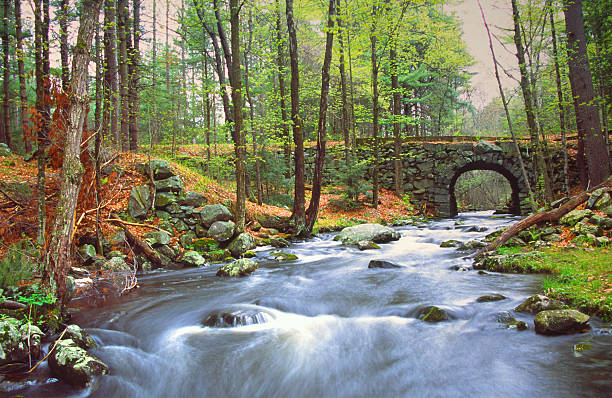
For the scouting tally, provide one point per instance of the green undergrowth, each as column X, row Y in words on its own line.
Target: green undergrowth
column 580, row 277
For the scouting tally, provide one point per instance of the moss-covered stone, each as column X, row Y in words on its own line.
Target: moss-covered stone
column 490, row 297
column 164, row 199
column 450, row 243
column 192, row 258
column 241, row 244
column 374, row 232
column 221, row 231
column 283, row 256
column 554, row 322
column 170, row 184
column 574, row 216
column 139, row 202
column 538, row 303
column 212, row 213
column 433, row 314
column 240, row 267
column 157, row 238
column 18, row 341
column 74, row 365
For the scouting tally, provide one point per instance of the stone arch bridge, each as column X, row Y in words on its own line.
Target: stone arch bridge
column 431, row 169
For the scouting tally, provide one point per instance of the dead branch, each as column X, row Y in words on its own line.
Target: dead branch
column 143, row 246
column 120, row 221
column 11, row 305
column 11, row 199
column 546, row 216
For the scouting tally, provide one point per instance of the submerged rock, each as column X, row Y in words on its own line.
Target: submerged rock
column 554, row 322
column 491, row 297
column 367, row 245
column 433, row 314
column 375, row 232
column 240, row 267
column 382, row 264
column 236, row 318
column 537, row 303
column 74, row 365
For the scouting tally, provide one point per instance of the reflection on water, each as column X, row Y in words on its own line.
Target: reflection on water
column 327, row 326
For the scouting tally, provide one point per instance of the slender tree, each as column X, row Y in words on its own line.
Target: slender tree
column 57, row 257
column 134, row 78
column 123, row 32
column 23, row 96
column 111, row 85
column 298, row 214
column 313, row 208
column 6, row 97
column 62, row 16
column 375, row 107
column 280, row 61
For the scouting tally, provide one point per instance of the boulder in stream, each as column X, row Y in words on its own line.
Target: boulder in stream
column 240, row 267
column 433, row 314
column 74, row 365
column 537, row 303
column 367, row 245
column 491, row 297
column 450, row 243
column 244, row 317
column 555, row 322
column 375, row 232
column 382, row 264
column 18, row 341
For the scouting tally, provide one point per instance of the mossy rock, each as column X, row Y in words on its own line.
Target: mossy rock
column 205, row 244
column 240, row 267
column 450, row 243
column 491, row 297
column 74, row 365
column 575, row 216
column 555, row 322
column 282, row 256
column 217, row 255
column 538, row 303
column 433, row 314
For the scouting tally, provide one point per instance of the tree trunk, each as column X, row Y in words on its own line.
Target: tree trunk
column 345, row 111
column 298, row 215
column 397, row 112
column 23, row 96
column 313, row 208
column 62, row 16
column 587, row 117
column 6, row 125
column 237, row 132
column 539, row 166
column 280, row 60
column 154, row 75
column 373, row 41
column 98, row 81
column 111, row 85
column 122, row 37
column 134, row 83
column 57, row 258
column 566, row 186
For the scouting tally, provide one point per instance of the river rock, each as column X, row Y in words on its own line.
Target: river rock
column 18, row 342
column 139, row 202
column 192, row 258
column 283, row 256
column 375, row 232
column 491, row 297
column 160, row 168
column 170, row 184
column 367, row 245
column 538, row 303
column 221, row 231
column 212, row 213
column 115, row 264
column 382, row 264
column 79, row 337
column 279, row 243
column 244, row 317
column 241, row 244
column 554, row 322
column 74, row 365
column 192, row 199
column 240, row 267
column 508, row 321
column 450, row 243
column 157, row 238
column 472, row 245
column 574, row 216
column 433, row 314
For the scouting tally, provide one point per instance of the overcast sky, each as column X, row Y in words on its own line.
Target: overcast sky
column 499, row 15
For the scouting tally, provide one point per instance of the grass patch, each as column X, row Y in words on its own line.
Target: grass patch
column 582, row 279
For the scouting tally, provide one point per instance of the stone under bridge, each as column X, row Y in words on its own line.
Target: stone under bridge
column 431, row 169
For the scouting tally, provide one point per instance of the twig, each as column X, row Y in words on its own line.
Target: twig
column 118, row 220
column 50, row 351
column 111, row 160
column 11, row 199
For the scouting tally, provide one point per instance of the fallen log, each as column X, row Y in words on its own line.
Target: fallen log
column 11, row 305
column 141, row 245
column 546, row 216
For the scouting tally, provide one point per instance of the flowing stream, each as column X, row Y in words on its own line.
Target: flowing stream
column 334, row 328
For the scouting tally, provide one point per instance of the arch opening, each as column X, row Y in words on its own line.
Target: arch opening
column 480, row 186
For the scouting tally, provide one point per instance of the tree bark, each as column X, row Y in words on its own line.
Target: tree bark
column 280, row 61
column 313, row 208
column 566, row 186
column 134, row 83
column 57, row 258
column 587, row 117
column 298, row 215
column 23, row 97
column 373, row 59
column 237, row 132
column 397, row 111
column 111, row 86
column 122, row 36
column 6, row 97
column 63, row 35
